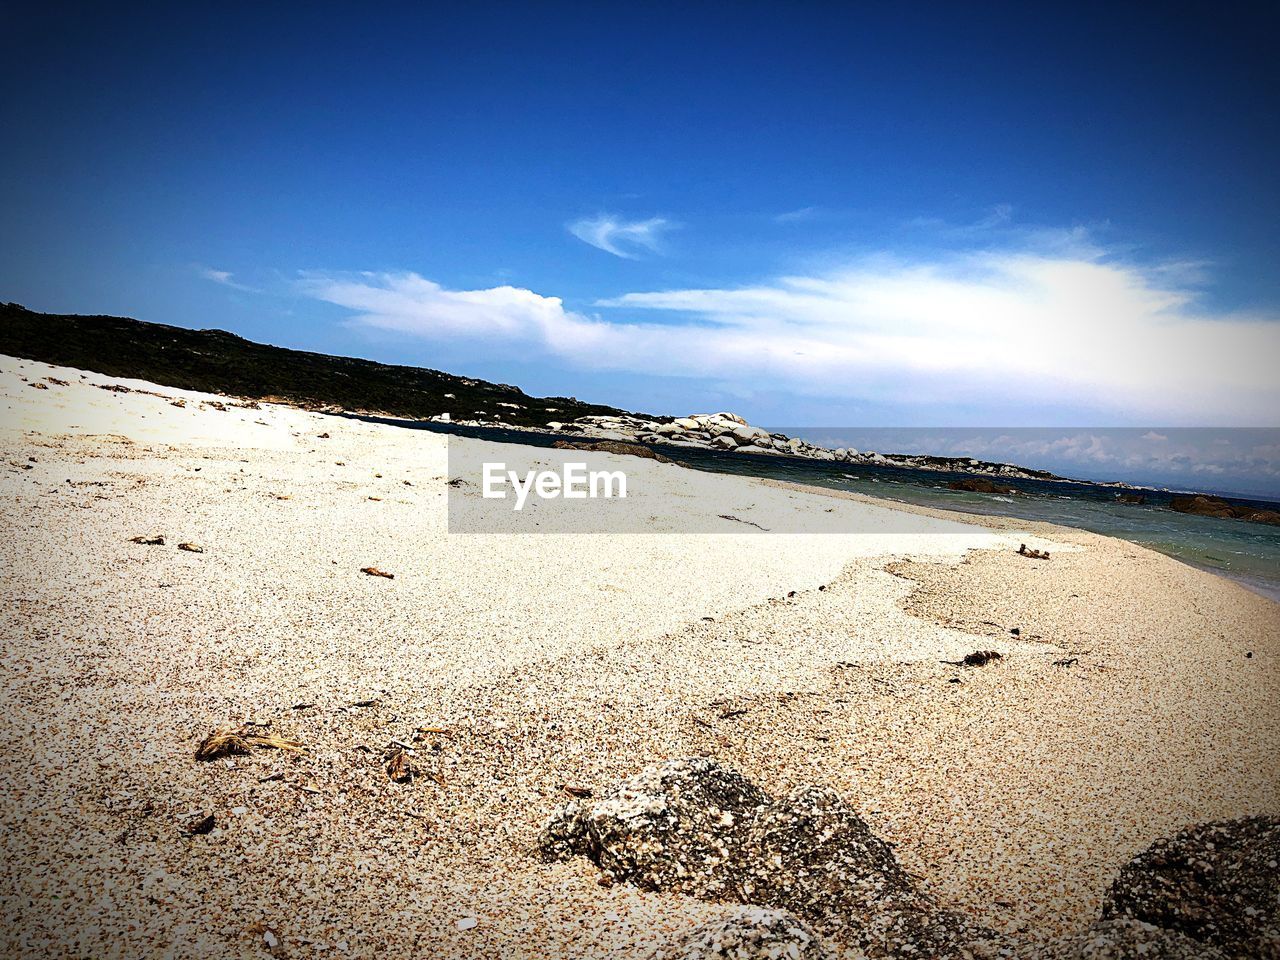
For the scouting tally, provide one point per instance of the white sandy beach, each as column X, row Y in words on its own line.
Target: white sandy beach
column 539, row 661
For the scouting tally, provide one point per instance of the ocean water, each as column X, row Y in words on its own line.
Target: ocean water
column 1237, row 461
column 1247, row 552
column 1244, row 551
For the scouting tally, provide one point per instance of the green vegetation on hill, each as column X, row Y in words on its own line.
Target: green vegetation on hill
column 214, row 361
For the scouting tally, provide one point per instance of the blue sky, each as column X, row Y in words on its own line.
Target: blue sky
column 811, row 214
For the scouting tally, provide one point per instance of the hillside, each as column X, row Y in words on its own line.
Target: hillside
column 215, row 361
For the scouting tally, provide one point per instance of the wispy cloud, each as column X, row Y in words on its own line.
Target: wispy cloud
column 1000, row 214
column 796, row 216
column 993, row 332
column 622, row 238
column 224, row 277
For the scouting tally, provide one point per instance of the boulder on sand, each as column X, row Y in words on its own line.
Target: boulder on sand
column 694, row 827
column 1215, row 883
column 749, row 933
column 812, row 854
column 1124, row 939
column 678, row 826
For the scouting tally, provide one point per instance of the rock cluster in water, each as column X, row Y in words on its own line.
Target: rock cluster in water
column 729, row 432
column 818, row 877
column 1217, row 507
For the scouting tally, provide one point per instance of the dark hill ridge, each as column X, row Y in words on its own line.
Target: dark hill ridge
column 214, row 361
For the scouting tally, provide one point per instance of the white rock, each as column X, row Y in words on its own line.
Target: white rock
column 685, row 441
column 688, row 423
column 749, row 434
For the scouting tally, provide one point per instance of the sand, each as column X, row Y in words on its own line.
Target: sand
column 517, row 665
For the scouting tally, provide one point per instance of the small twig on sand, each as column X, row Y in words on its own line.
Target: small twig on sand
column 749, row 523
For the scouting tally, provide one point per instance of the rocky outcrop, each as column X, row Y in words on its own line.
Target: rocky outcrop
column 750, row 933
column 812, row 854
column 729, row 432
column 978, row 485
column 1217, row 884
column 1125, row 939
column 1216, row 507
column 679, row 827
column 813, row 869
column 694, row 827
column 615, row 446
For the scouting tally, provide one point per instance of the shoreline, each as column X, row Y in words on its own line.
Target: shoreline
column 536, row 663
column 1264, row 589
column 1269, row 589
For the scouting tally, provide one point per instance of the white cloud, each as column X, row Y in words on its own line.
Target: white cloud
column 224, row 277
column 408, row 303
column 993, row 332
column 619, row 237
column 796, row 216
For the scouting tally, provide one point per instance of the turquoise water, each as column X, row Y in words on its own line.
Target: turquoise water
column 1247, row 552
